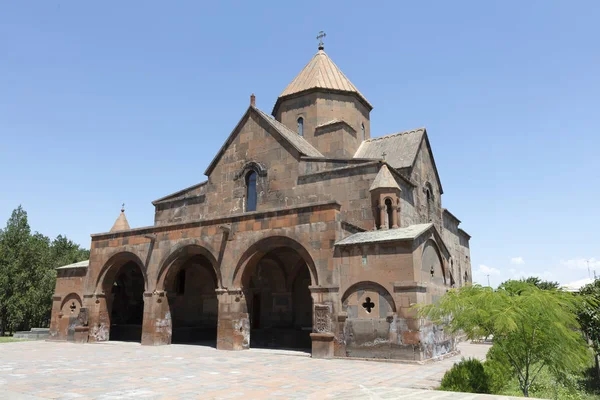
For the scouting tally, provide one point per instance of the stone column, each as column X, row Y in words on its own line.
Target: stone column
column 325, row 300
column 395, row 217
column 55, row 319
column 382, row 216
column 156, row 326
column 233, row 327
column 99, row 317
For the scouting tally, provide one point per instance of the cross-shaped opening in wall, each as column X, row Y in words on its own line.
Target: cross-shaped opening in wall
column 72, row 306
column 368, row 305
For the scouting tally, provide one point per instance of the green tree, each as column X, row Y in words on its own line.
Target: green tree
column 589, row 317
column 13, row 241
column 27, row 272
column 534, row 328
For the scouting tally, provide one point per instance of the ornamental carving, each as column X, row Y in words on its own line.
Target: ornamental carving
column 322, row 318
column 260, row 169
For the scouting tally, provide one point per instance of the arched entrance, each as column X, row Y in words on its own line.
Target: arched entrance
column 190, row 284
column 275, row 284
column 123, row 287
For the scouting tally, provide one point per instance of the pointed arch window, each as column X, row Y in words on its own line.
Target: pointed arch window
column 300, row 126
column 251, row 191
column 362, row 131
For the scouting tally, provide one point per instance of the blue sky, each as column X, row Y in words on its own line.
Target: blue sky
column 110, row 102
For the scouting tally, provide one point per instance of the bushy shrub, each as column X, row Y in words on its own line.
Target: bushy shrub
column 466, row 376
column 498, row 370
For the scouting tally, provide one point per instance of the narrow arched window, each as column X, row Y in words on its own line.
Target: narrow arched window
column 362, row 130
column 251, row 191
column 300, row 126
column 389, row 211
column 429, row 195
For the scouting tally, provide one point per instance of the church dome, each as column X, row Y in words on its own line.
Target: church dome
column 321, row 73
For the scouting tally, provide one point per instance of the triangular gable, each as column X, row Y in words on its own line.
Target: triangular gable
column 437, row 175
column 178, row 194
column 292, row 138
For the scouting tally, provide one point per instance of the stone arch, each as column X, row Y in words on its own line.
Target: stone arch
column 385, row 300
column 279, row 314
column 71, row 297
column 186, row 251
column 255, row 252
column 431, row 253
column 110, row 269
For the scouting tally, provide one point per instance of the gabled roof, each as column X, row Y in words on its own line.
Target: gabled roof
column 384, row 179
column 80, row 264
column 321, row 73
column 386, row 235
column 296, row 141
column 400, row 149
column 178, row 194
column 410, row 232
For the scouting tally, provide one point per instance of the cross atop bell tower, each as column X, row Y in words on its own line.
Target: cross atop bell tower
column 320, row 37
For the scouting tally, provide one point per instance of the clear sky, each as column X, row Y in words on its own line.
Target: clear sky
column 104, row 102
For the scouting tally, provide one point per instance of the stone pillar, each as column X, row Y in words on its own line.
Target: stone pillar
column 156, row 326
column 55, row 318
column 382, row 216
column 233, row 327
column 99, row 317
column 325, row 299
column 395, row 223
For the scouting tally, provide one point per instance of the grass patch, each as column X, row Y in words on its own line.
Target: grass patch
column 8, row 339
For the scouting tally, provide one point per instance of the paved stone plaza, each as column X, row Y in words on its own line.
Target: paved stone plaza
column 120, row 370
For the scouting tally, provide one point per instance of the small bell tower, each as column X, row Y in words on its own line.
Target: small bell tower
column 385, row 199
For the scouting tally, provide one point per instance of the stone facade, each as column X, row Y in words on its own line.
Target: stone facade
column 315, row 241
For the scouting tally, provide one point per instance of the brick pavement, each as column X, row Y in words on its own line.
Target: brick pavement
column 117, row 370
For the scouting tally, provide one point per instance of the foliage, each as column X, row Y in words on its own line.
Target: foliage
column 466, row 376
column 537, row 282
column 27, row 275
column 498, row 370
column 589, row 315
column 536, row 329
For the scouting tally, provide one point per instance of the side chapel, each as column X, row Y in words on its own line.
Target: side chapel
column 308, row 233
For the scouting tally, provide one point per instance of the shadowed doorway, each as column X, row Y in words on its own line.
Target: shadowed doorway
column 127, row 304
column 279, row 301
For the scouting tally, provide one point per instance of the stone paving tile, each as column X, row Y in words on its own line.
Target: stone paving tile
column 117, row 370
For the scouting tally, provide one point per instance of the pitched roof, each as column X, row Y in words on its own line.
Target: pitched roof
column 386, row 235
column 296, row 141
column 321, row 72
column 80, row 264
column 401, row 148
column 121, row 223
column 384, row 179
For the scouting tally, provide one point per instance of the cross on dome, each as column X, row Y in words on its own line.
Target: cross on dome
column 320, row 37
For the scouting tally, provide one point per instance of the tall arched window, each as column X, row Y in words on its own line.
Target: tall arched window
column 429, row 195
column 390, row 213
column 251, row 191
column 362, row 130
column 300, row 126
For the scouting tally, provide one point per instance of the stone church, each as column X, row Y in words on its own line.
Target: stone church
column 308, row 233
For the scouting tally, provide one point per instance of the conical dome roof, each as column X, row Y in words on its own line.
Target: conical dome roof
column 384, row 179
column 321, row 72
column 121, row 223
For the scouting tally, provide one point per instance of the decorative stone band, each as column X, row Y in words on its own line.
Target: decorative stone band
column 324, row 289
column 410, row 286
